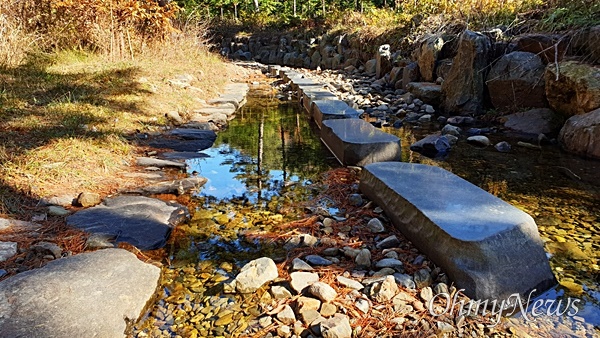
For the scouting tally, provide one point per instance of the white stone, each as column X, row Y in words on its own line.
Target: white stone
column 256, row 273
column 323, row 291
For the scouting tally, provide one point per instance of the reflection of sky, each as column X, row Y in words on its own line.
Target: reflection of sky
column 227, row 180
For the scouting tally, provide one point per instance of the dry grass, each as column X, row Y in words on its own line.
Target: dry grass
column 15, row 43
column 67, row 119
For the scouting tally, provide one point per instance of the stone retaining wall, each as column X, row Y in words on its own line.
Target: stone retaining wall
column 459, row 74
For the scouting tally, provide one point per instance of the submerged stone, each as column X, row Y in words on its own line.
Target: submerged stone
column 356, row 142
column 486, row 246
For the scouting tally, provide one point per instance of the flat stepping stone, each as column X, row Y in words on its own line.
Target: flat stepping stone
column 141, row 221
column 332, row 109
column 155, row 162
column 176, row 187
column 182, row 145
column 488, row 247
column 225, row 109
column 316, row 94
column 193, row 134
column 95, row 294
column 182, row 155
column 304, row 84
column 356, row 142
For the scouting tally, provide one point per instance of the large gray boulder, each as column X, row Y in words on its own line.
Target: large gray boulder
column 96, row 294
column 573, row 88
column 464, row 87
column 516, row 81
column 141, row 221
column 581, row 134
column 486, row 246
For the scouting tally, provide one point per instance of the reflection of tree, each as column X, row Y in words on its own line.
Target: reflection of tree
column 273, row 139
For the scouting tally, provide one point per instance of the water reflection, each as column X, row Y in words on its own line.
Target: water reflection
column 261, row 152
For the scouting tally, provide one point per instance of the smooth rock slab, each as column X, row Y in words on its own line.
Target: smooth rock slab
column 356, row 142
column 188, row 140
column 176, row 187
column 316, row 94
column 485, row 245
column 89, row 295
column 332, row 109
column 141, row 221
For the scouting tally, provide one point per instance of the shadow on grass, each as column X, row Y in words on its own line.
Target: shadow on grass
column 39, row 106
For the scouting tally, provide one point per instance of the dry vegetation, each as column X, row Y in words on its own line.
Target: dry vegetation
column 76, row 87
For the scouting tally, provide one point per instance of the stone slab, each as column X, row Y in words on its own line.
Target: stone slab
column 305, row 83
column 175, row 187
column 331, row 110
column 141, row 221
column 184, row 145
column 155, row 162
column 356, row 142
column 485, row 245
column 309, row 96
column 193, row 134
column 95, row 294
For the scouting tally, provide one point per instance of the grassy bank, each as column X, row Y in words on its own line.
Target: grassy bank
column 68, row 118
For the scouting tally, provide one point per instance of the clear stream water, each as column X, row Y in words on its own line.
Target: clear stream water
column 266, row 160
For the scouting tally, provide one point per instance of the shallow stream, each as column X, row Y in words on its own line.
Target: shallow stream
column 265, row 164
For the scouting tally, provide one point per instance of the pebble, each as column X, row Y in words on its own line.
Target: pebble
column 280, row 292
column 349, row 283
column 308, row 303
column 426, row 294
column 318, row 260
column 405, row 280
column 363, row 259
column 323, row 291
column 301, row 279
column 362, row 304
column 389, row 263
column 375, row 225
column 300, row 265
column 503, row 147
column 88, row 199
column 355, row 200
column 385, row 290
column 328, row 309
column 287, row 315
column 331, row 252
column 388, row 242
column 57, row 211
column 479, row 140
column 422, row 278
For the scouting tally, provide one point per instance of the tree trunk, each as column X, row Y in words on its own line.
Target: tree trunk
column 256, row 7
column 235, row 14
column 323, row 2
column 294, row 8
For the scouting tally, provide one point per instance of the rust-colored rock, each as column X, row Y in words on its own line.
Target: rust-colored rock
column 575, row 89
